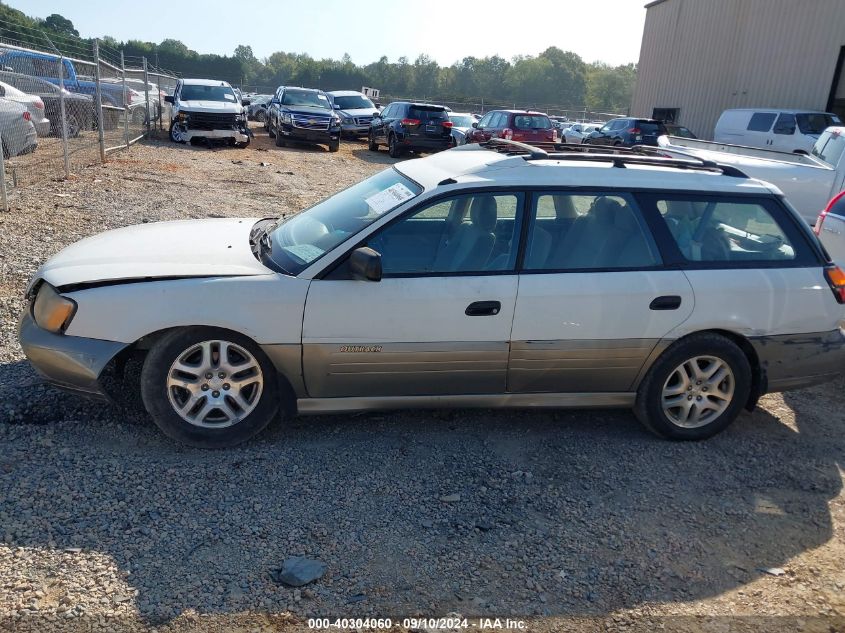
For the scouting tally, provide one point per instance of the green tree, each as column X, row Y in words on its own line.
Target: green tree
column 60, row 24
column 609, row 89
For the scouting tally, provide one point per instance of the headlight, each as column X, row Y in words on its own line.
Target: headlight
column 182, row 116
column 52, row 311
column 286, row 118
column 348, row 120
column 335, row 120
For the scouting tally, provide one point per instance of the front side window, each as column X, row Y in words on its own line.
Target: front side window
column 761, row 121
column 725, row 230
column 586, row 231
column 466, row 234
column 785, row 124
column 298, row 242
column 485, row 120
column 191, row 92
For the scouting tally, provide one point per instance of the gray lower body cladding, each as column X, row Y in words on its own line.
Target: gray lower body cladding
column 70, row 362
column 795, row 361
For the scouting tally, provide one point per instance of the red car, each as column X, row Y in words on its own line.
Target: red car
column 518, row 125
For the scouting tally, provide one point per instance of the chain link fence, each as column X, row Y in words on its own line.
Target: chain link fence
column 62, row 110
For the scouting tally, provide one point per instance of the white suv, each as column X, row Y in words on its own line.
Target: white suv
column 679, row 288
column 210, row 109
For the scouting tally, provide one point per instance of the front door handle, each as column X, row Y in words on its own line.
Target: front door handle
column 483, row 308
column 667, row 302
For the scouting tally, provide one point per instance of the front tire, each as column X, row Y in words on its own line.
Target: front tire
column 270, row 129
column 334, row 146
column 209, row 387
column 695, row 389
column 175, row 133
column 373, row 146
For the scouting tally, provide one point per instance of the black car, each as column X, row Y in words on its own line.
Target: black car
column 79, row 109
column 305, row 115
column 405, row 126
column 626, row 132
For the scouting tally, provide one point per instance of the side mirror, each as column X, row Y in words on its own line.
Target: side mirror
column 245, row 102
column 365, row 264
column 376, row 115
column 272, row 101
column 475, row 124
column 168, row 98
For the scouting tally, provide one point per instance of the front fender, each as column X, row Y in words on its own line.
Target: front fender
column 266, row 308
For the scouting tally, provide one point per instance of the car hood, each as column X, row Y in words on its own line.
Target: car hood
column 189, row 248
column 358, row 112
column 308, row 110
column 220, row 107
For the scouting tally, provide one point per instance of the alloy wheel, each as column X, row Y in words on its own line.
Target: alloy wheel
column 214, row 384
column 698, row 391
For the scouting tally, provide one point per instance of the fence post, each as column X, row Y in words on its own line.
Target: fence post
column 147, row 96
column 98, row 102
column 63, row 114
column 125, row 101
column 5, row 200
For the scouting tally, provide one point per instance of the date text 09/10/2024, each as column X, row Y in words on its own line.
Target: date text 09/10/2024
column 446, row 623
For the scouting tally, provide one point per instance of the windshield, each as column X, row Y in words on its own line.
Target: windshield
column 354, row 102
column 300, row 241
column 305, row 98
column 461, row 120
column 816, row 122
column 207, row 93
column 829, row 147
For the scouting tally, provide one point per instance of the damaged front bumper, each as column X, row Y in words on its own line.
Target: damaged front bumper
column 69, row 362
column 184, row 133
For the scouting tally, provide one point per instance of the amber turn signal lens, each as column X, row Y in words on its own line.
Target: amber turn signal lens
column 836, row 278
column 51, row 310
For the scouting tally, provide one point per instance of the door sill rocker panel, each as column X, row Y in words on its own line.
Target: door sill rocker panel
column 466, row 401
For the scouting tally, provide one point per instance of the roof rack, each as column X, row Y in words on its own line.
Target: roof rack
column 619, row 156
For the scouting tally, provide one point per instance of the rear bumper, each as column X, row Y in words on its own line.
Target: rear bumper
column 796, row 361
column 426, row 144
column 70, row 362
column 42, row 128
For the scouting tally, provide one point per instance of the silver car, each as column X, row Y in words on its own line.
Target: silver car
column 461, row 125
column 16, row 129
column 32, row 103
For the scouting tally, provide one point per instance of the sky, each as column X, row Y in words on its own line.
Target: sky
column 598, row 30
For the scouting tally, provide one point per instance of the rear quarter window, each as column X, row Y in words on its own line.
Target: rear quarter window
column 727, row 232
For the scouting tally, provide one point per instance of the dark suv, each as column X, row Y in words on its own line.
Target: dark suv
column 405, row 126
column 626, row 132
column 303, row 114
column 518, row 125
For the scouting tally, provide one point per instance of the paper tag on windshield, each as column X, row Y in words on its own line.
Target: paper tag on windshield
column 390, row 198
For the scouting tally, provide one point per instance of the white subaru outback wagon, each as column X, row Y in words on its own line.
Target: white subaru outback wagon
column 473, row 278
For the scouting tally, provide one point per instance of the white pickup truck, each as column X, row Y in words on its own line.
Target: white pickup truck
column 808, row 181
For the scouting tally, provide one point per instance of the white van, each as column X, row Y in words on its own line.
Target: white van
column 783, row 130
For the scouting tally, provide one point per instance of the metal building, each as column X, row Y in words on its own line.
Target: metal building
column 700, row 57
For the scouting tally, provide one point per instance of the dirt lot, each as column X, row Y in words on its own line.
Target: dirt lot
column 561, row 520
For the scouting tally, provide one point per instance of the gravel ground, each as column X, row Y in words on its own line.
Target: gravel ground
column 565, row 520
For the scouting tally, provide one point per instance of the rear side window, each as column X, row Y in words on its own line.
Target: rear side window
column 761, row 121
column 733, row 231
column 531, row 122
column 816, row 122
column 427, row 114
column 587, row 231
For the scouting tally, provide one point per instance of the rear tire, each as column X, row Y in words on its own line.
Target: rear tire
column 393, row 147
column 696, row 388
column 203, row 401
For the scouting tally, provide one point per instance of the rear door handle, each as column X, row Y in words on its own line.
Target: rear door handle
column 483, row 308
column 666, row 302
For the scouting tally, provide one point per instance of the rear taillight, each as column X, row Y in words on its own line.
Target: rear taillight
column 447, row 124
column 836, row 278
column 817, row 229
column 410, row 121
column 27, row 116
column 507, row 133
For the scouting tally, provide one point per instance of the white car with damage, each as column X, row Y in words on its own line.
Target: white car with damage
column 472, row 278
column 207, row 109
